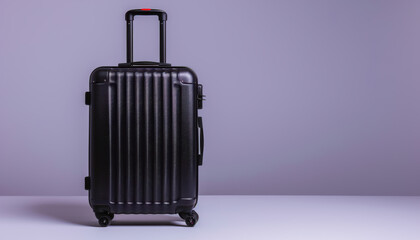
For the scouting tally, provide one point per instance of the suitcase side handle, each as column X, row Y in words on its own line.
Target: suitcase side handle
column 200, row 155
column 129, row 17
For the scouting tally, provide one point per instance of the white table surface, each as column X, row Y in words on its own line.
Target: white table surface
column 221, row 217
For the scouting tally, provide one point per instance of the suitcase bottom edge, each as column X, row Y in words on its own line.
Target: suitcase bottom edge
column 182, row 205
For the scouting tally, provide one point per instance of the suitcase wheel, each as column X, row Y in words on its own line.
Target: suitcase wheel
column 99, row 215
column 191, row 218
column 104, row 219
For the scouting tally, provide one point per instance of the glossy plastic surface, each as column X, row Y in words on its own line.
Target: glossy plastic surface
column 143, row 140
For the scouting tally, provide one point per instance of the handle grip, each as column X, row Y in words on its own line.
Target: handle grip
column 129, row 17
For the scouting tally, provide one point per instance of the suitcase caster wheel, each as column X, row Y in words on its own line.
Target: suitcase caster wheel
column 195, row 214
column 99, row 215
column 190, row 218
column 104, row 221
column 183, row 215
column 104, row 218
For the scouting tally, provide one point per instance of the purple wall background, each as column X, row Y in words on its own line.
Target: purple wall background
column 304, row 97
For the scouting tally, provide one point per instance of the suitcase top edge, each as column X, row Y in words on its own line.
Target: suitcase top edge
column 185, row 74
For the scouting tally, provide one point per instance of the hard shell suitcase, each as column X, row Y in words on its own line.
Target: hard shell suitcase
column 145, row 138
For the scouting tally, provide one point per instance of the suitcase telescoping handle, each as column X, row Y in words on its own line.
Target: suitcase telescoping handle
column 129, row 17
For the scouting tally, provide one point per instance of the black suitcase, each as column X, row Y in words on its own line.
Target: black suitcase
column 145, row 138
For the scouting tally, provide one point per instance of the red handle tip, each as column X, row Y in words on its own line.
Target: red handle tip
column 145, row 9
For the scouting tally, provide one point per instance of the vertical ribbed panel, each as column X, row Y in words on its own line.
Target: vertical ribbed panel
column 144, row 115
column 166, row 135
column 157, row 117
column 112, row 132
column 122, row 133
column 148, row 127
column 138, row 187
column 175, row 97
column 131, row 146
